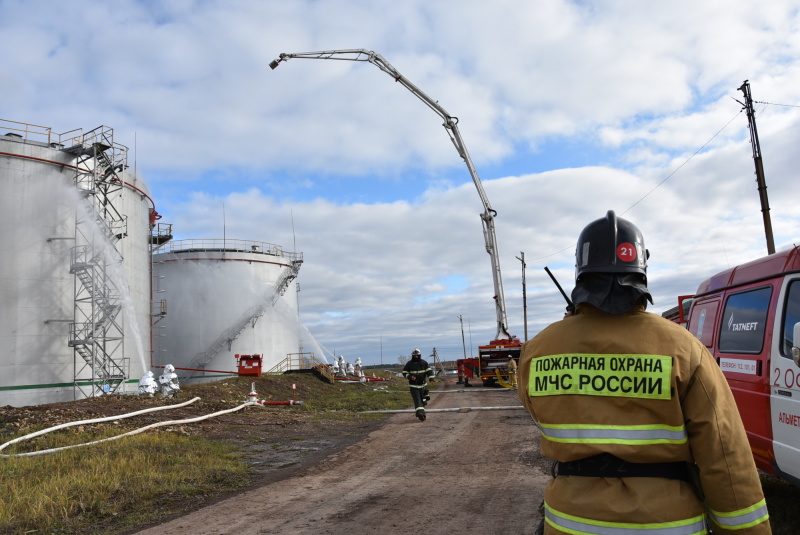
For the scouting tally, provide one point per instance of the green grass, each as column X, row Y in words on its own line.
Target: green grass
column 118, row 482
column 115, row 486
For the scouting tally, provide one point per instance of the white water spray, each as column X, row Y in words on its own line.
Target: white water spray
column 114, row 270
column 292, row 320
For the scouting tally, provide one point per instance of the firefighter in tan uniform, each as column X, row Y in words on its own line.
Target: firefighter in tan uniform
column 634, row 409
column 512, row 371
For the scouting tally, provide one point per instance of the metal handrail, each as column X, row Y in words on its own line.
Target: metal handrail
column 28, row 130
column 228, row 245
column 301, row 361
column 68, row 139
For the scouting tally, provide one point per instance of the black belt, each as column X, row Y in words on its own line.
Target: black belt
column 607, row 465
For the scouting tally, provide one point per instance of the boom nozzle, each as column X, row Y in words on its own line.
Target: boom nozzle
column 275, row 62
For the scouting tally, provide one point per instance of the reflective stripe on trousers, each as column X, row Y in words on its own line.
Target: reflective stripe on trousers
column 614, row 434
column 743, row 518
column 585, row 526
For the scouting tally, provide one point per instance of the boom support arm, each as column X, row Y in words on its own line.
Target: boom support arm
column 451, row 126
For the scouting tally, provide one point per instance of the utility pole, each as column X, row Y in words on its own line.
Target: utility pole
column 760, row 180
column 437, row 364
column 463, row 343
column 469, row 326
column 521, row 258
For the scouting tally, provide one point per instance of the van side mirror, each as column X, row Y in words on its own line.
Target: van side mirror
column 795, row 342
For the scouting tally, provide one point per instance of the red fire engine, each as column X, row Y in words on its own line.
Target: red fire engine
column 491, row 366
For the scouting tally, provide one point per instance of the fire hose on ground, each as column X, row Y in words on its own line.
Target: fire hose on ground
column 252, row 400
column 457, row 409
column 470, row 390
column 454, row 409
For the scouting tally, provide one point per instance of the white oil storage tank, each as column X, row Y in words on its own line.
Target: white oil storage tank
column 74, row 266
column 225, row 298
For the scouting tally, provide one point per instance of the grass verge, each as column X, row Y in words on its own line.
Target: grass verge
column 115, row 486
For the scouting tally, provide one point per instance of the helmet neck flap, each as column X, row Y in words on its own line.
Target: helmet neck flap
column 613, row 293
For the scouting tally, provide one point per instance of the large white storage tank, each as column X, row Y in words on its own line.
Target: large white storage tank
column 38, row 206
column 225, row 297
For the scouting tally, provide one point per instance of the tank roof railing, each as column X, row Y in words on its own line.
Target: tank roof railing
column 27, row 131
column 42, row 134
column 228, row 245
column 45, row 134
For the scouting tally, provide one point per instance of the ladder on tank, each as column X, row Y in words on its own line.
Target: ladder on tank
column 249, row 317
column 97, row 332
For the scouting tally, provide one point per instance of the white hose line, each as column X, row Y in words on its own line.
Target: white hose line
column 473, row 390
column 461, row 409
column 405, row 391
column 106, row 419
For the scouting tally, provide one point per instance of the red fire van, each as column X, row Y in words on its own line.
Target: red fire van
column 749, row 318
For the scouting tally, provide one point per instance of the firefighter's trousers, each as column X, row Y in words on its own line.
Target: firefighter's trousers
column 420, row 396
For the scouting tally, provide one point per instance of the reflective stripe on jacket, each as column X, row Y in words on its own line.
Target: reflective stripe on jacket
column 417, row 372
column 614, row 434
column 747, row 517
column 644, row 389
column 580, row 526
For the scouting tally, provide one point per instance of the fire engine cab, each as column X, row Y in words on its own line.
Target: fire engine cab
column 492, row 365
column 749, row 318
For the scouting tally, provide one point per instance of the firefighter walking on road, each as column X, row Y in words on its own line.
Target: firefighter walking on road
column 418, row 371
column 633, row 408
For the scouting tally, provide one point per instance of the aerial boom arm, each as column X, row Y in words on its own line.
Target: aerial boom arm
column 451, row 126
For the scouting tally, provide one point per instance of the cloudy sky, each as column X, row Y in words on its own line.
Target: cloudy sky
column 567, row 108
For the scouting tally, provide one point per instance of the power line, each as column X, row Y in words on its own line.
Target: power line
column 701, row 148
column 660, row 183
column 556, row 253
column 681, row 165
column 774, row 104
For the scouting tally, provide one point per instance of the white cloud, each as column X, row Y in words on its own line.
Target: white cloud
column 187, row 86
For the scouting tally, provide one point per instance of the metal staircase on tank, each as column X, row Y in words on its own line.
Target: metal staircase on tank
column 303, row 362
column 97, row 331
column 249, row 317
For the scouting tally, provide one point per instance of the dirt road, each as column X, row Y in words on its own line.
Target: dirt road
column 475, row 471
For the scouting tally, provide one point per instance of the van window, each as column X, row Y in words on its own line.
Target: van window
column 701, row 321
column 791, row 316
column 744, row 321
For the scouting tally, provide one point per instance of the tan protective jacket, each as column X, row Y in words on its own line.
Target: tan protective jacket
column 642, row 388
